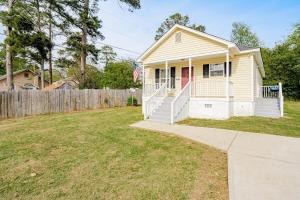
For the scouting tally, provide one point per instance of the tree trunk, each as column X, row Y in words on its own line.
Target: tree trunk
column 50, row 51
column 84, row 43
column 42, row 60
column 9, row 65
column 42, row 75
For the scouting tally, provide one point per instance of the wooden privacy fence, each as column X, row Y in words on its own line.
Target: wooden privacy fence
column 34, row 102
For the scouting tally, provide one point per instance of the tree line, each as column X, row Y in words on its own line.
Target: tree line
column 34, row 27
column 282, row 62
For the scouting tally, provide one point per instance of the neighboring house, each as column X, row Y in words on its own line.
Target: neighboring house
column 62, row 85
column 23, row 80
column 188, row 73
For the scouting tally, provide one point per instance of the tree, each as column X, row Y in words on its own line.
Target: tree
column 70, row 55
column 107, row 54
column 93, row 76
column 19, row 28
column 282, row 64
column 9, row 68
column 176, row 18
column 89, row 25
column 118, row 75
column 242, row 35
column 19, row 62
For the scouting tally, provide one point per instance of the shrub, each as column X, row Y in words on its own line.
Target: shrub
column 131, row 101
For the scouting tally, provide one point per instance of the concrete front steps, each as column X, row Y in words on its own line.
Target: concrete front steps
column 267, row 107
column 163, row 112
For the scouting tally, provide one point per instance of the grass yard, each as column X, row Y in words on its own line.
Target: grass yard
column 95, row 155
column 289, row 125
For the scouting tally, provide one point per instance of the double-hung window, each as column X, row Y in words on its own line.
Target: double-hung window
column 216, row 70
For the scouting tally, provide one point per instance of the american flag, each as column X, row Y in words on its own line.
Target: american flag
column 136, row 71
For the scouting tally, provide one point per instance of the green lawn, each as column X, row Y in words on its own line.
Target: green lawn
column 95, row 155
column 289, row 125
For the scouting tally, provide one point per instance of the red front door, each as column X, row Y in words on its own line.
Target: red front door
column 185, row 76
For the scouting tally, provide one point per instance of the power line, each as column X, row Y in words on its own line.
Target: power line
column 116, row 47
column 120, row 48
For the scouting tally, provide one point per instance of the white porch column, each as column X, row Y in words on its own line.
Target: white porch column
column 190, row 75
column 166, row 80
column 143, row 79
column 227, row 75
column 253, row 70
column 190, row 69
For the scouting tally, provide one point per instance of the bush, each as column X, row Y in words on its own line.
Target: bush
column 131, row 101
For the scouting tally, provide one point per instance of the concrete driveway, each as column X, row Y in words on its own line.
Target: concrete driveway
column 260, row 166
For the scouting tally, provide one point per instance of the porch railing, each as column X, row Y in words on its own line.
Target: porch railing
column 275, row 92
column 155, row 100
column 151, row 88
column 180, row 105
column 270, row 91
column 211, row 88
column 154, row 85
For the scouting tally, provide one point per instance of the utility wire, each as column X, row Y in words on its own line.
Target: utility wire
column 120, row 48
column 113, row 46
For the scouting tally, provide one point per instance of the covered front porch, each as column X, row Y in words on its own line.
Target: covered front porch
column 207, row 76
column 175, row 87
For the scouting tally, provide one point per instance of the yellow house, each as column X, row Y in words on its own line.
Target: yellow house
column 188, row 73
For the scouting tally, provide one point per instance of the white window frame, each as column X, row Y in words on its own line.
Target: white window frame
column 163, row 72
column 210, row 65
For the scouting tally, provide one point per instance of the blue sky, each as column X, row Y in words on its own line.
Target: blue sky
column 271, row 20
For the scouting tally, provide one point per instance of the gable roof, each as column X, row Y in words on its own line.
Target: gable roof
column 60, row 83
column 21, row 71
column 177, row 26
column 238, row 48
column 230, row 44
column 16, row 72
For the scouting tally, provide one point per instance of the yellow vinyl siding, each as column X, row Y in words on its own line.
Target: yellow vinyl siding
column 240, row 74
column 241, row 77
column 190, row 45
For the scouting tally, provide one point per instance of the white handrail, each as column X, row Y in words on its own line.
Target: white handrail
column 151, row 100
column 185, row 90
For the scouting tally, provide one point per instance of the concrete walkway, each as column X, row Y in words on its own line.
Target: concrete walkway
column 260, row 166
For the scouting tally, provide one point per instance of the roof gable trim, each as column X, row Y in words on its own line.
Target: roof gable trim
column 166, row 35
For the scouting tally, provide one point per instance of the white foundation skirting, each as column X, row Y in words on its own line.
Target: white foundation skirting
column 214, row 108
column 209, row 108
column 243, row 108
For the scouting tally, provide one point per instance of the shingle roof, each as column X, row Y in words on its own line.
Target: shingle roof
column 16, row 72
column 244, row 48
